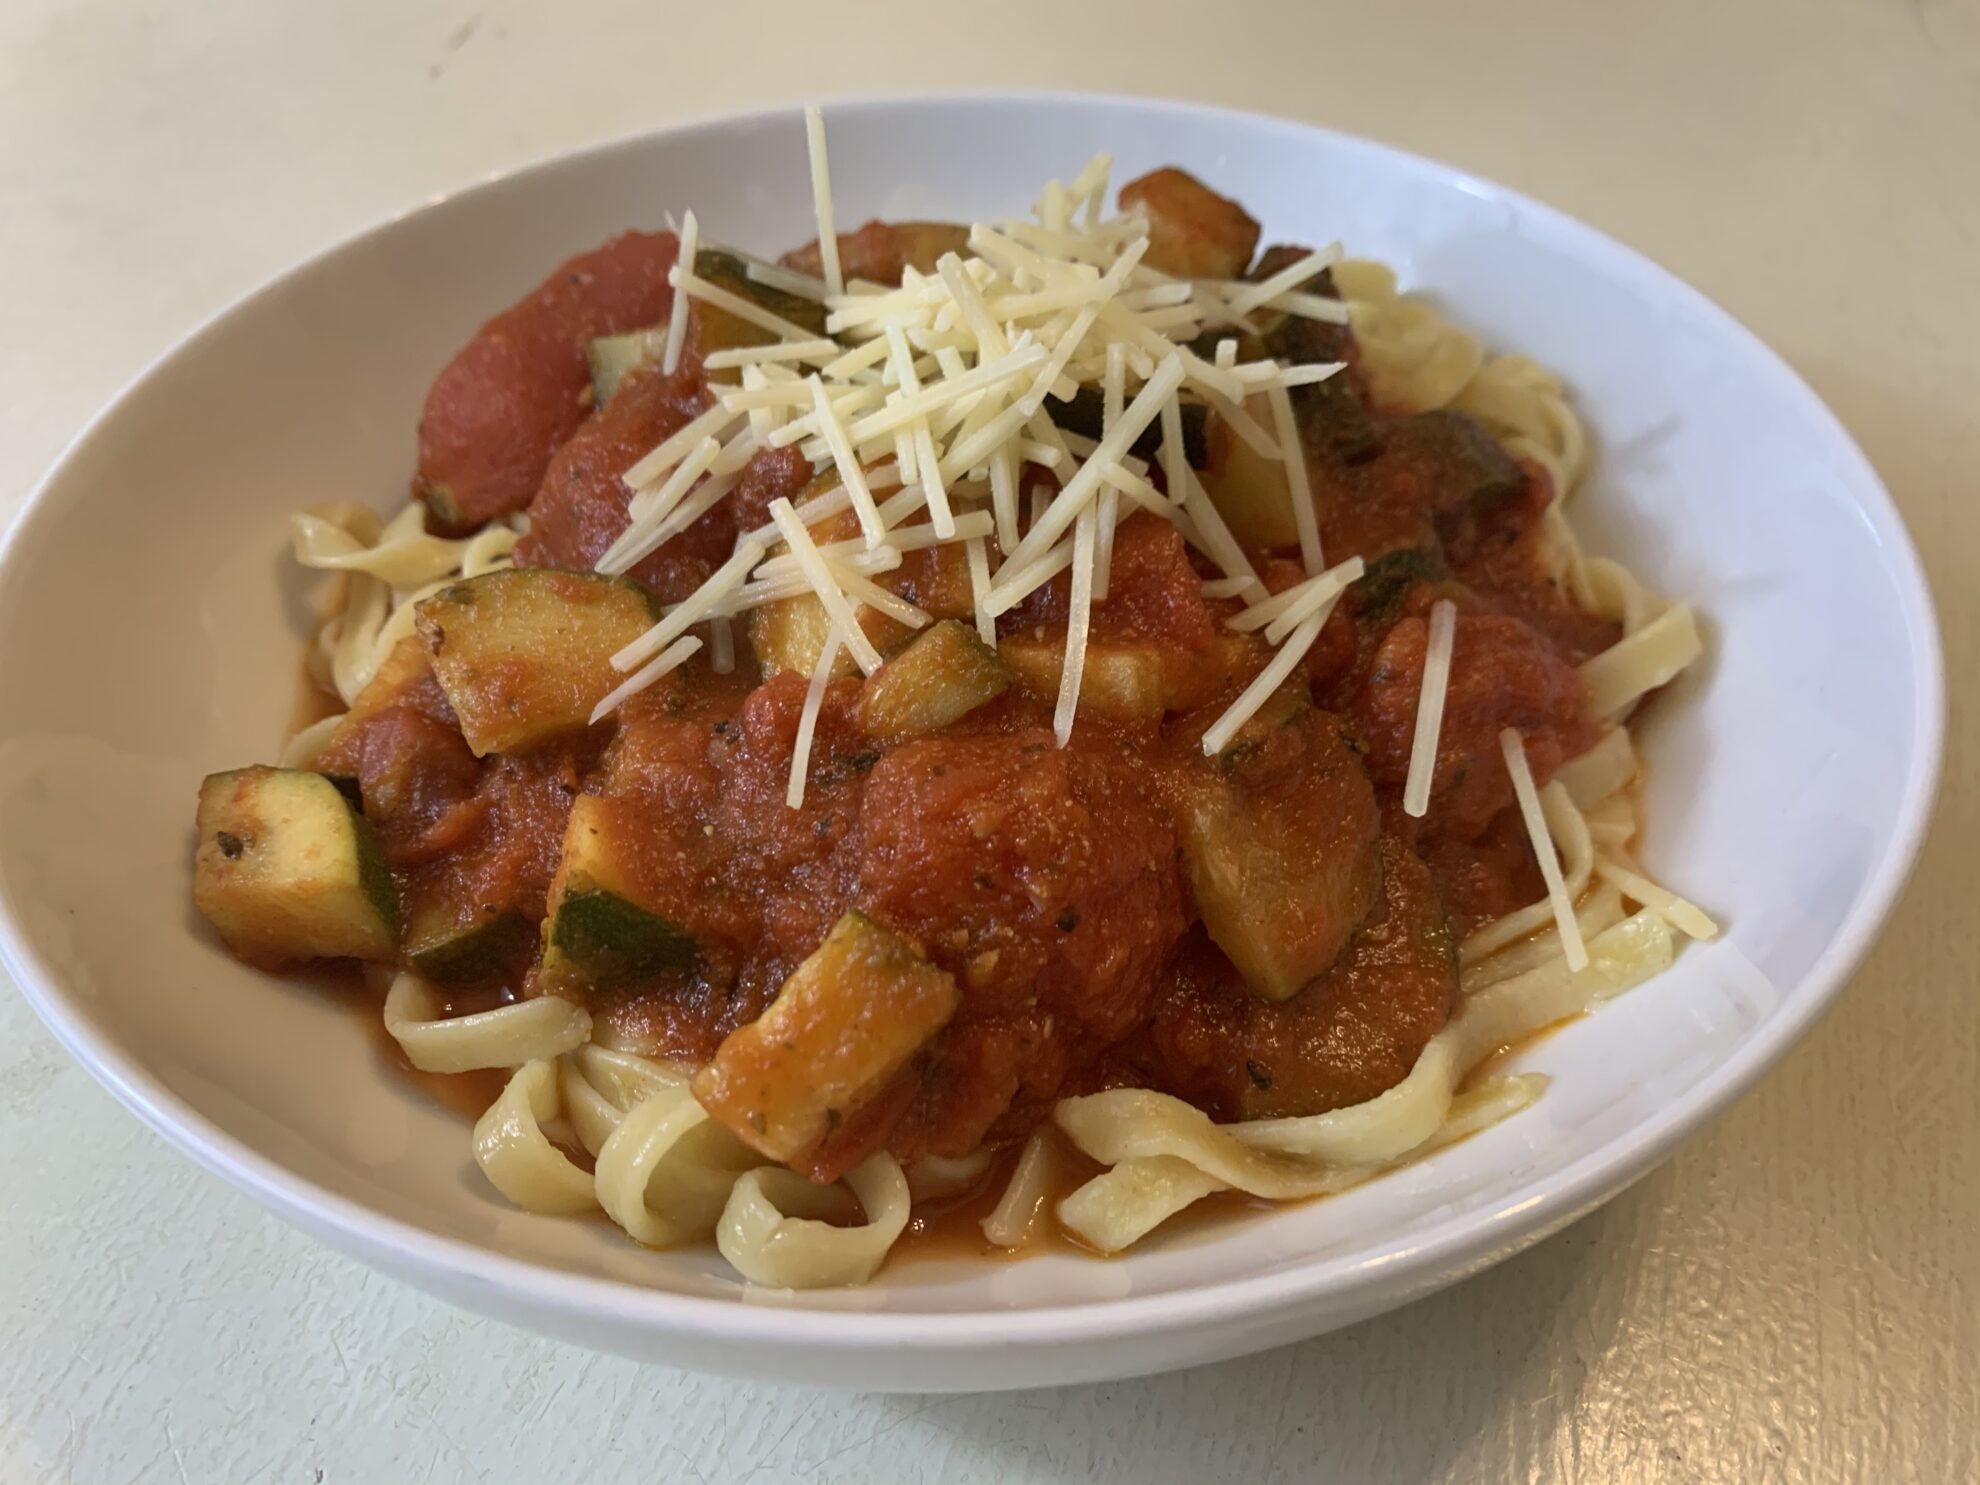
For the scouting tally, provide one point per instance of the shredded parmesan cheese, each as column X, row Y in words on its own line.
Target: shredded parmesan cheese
column 850, row 473
column 1078, row 623
column 633, row 684
column 1260, row 690
column 823, row 351
column 814, row 700
column 1262, row 293
column 821, row 202
column 1430, row 708
column 1081, row 488
column 819, row 575
column 697, row 606
column 946, row 385
column 1514, row 748
column 1316, row 594
column 677, row 317
column 1297, row 484
column 1298, row 601
column 1684, row 916
column 979, row 589
column 714, row 423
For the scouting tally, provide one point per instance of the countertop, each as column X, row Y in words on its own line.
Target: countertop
column 1795, row 1297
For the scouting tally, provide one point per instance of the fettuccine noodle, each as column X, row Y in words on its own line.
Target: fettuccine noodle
column 388, row 567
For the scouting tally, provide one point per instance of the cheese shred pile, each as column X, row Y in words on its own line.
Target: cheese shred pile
column 935, row 402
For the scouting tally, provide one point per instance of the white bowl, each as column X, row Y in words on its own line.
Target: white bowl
column 150, row 625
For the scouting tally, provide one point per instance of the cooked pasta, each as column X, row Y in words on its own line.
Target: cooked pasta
column 518, row 1157
column 508, row 1036
column 388, row 567
column 1416, row 359
column 773, row 1228
column 1165, row 1154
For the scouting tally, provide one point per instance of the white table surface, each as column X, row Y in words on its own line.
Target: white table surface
column 1796, row 1296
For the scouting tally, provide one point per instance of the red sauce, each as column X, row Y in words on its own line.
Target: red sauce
column 521, row 387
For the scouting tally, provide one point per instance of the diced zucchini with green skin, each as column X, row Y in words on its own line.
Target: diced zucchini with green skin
column 944, row 674
column 1086, row 414
column 846, row 1022
column 483, row 949
column 1248, row 489
column 727, row 271
column 611, row 357
column 1192, row 231
column 1334, row 424
column 1462, row 463
column 790, row 635
column 1390, row 990
column 287, row 871
column 604, row 930
column 1379, row 592
column 525, row 654
column 1280, row 846
column 710, row 329
column 1123, row 680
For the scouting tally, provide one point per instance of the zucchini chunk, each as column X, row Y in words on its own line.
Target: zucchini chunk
column 1085, row 415
column 612, row 357
column 1359, row 1028
column 1125, row 680
column 1334, row 424
column 449, row 951
column 1192, row 231
column 790, row 633
column 851, row 1017
column 524, row 654
column 710, row 329
column 287, row 871
column 1385, row 583
column 604, row 929
column 1248, row 489
column 727, row 271
column 1279, row 840
column 944, row 674
column 1457, row 458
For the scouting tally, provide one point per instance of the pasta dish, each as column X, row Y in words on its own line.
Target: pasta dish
column 1074, row 711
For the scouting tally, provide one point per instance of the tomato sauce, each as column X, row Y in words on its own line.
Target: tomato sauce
column 521, row 387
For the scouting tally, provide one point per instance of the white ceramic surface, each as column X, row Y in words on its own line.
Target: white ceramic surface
column 149, row 623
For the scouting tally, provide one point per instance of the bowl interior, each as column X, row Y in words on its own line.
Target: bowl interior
column 150, row 628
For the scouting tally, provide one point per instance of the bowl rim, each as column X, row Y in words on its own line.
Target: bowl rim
column 1450, row 1247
